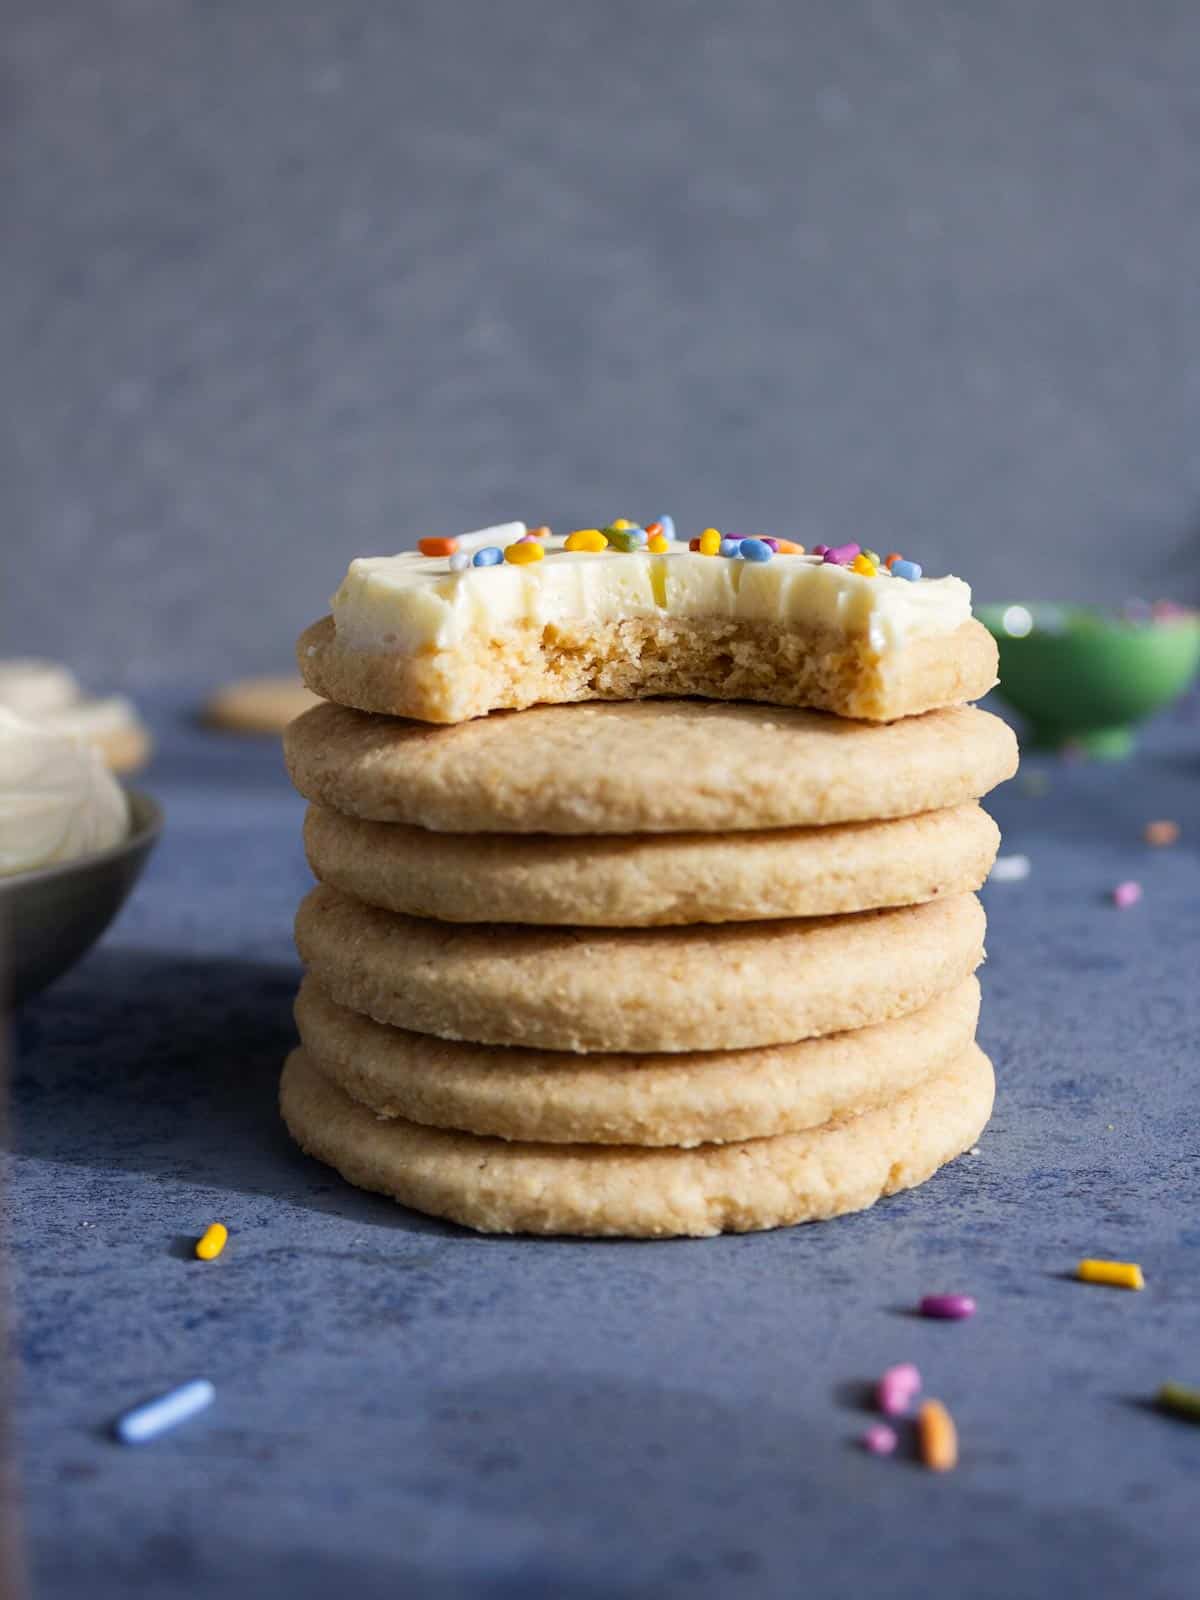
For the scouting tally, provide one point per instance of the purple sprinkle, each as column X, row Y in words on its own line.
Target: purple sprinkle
column 774, row 543
column 951, row 1307
column 879, row 1439
column 1127, row 894
column 841, row 555
column 819, row 549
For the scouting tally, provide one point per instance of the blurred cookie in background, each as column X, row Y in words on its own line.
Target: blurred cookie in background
column 49, row 694
column 258, row 705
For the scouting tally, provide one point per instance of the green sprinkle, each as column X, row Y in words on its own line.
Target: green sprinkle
column 1180, row 1399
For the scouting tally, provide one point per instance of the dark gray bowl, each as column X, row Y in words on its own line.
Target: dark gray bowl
column 48, row 919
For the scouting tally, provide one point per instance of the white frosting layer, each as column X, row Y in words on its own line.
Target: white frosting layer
column 31, row 688
column 58, row 801
column 410, row 603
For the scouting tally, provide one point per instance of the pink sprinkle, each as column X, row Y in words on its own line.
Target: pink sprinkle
column 950, row 1307
column 773, row 543
column 842, row 554
column 879, row 1439
column 1127, row 894
column 527, row 538
column 897, row 1389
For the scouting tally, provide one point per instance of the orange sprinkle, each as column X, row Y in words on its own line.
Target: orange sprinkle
column 1162, row 832
column 938, row 1436
column 788, row 547
column 540, row 533
column 653, row 528
column 437, row 547
column 892, row 555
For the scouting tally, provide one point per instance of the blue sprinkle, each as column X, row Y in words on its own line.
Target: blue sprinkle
column 667, row 524
column 906, row 569
column 167, row 1411
column 756, row 550
column 459, row 561
column 490, row 556
column 730, row 547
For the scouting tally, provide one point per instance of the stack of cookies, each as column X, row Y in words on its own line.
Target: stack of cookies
column 642, row 966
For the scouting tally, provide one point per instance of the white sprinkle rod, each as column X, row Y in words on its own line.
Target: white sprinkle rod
column 147, row 1421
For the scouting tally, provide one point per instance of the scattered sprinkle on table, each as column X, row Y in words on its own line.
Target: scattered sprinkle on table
column 1161, row 833
column 212, row 1241
column 147, row 1421
column 879, row 1439
column 948, row 1307
column 1117, row 1274
column 897, row 1389
column 1009, row 869
column 1181, row 1400
column 1127, row 894
column 937, row 1436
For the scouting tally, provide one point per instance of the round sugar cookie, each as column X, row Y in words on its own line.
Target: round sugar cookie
column 728, row 987
column 498, row 1187
column 652, row 880
column 258, row 705
column 678, row 1100
column 651, row 766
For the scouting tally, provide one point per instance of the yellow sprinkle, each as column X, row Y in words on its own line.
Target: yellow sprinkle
column 938, row 1436
column 863, row 565
column 710, row 542
column 210, row 1246
column 621, row 522
column 1120, row 1274
column 522, row 554
column 658, row 546
column 586, row 539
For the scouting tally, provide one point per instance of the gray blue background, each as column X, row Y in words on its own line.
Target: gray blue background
column 286, row 282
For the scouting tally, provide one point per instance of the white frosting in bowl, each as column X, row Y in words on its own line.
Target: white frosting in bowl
column 58, row 801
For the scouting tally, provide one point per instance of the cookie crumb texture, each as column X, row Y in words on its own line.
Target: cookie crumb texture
column 643, row 657
column 622, row 1191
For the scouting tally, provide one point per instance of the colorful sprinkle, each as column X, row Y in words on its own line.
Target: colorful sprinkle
column 1161, row 833
column 522, row 554
column 212, row 1241
column 586, row 539
column 709, row 542
column 756, row 550
column 819, row 549
column 538, row 533
column 906, row 569
column 1126, row 894
column 626, row 540
column 659, row 545
column 459, row 561
column 949, row 1307
column 664, row 526
column 730, row 547
column 1180, row 1399
column 619, row 525
column 490, row 556
column 891, row 558
column 789, row 547
column 1116, row 1274
column 147, row 1421
column 864, row 566
column 774, row 544
column 937, row 1436
column 1009, row 869
column 871, row 555
column 437, row 547
column 879, row 1439
column 897, row 1389
column 840, row 555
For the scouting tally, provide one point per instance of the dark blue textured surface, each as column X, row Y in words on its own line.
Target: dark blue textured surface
column 404, row 1408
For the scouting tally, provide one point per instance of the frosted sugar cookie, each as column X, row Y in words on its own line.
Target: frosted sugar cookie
column 658, row 766
column 638, row 989
column 500, row 1187
column 498, row 619
column 680, row 1100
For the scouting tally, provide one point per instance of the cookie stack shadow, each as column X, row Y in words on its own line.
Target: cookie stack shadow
column 645, row 969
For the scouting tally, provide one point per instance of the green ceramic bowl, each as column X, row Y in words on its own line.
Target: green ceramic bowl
column 1085, row 678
